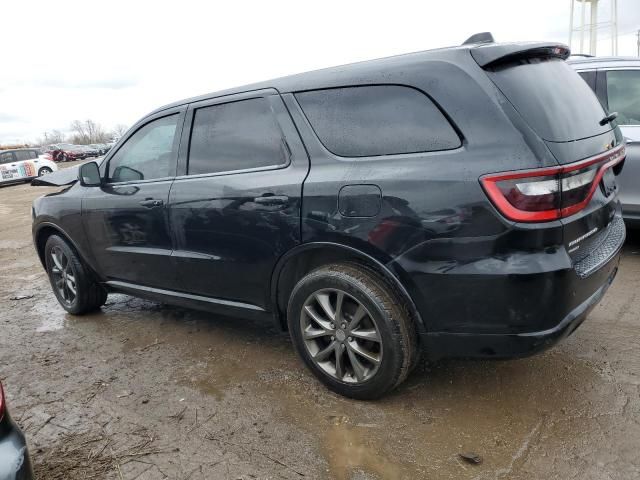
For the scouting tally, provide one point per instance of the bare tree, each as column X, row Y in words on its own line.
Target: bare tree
column 119, row 130
column 88, row 131
column 49, row 137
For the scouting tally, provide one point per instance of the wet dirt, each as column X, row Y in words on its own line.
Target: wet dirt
column 142, row 390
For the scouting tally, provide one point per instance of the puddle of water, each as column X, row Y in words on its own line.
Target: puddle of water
column 350, row 448
column 52, row 316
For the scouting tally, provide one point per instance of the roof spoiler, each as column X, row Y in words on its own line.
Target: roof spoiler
column 490, row 55
column 482, row 37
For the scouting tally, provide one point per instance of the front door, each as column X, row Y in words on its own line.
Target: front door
column 126, row 219
column 235, row 208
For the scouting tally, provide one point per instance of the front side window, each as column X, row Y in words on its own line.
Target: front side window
column 148, row 154
column 377, row 120
column 623, row 94
column 6, row 157
column 235, row 136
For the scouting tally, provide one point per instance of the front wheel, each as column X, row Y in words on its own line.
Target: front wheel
column 74, row 287
column 352, row 330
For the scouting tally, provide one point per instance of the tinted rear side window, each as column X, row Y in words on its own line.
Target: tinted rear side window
column 235, row 136
column 551, row 98
column 377, row 120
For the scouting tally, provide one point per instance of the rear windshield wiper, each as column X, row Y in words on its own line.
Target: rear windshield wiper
column 609, row 118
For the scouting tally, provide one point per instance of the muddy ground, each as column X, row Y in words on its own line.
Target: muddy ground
column 146, row 391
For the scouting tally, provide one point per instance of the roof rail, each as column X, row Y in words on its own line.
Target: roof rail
column 482, row 37
column 585, row 55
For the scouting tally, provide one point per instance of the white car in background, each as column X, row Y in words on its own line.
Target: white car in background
column 23, row 164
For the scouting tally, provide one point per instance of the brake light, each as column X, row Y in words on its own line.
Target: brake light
column 546, row 194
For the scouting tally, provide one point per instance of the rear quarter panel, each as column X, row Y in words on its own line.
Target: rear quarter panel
column 435, row 226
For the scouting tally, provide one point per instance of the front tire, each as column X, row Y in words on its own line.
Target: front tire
column 76, row 290
column 352, row 330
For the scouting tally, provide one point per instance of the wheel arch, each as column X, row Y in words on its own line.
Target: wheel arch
column 306, row 257
column 42, row 234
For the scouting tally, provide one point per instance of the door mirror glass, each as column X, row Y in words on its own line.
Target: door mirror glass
column 127, row 174
column 89, row 175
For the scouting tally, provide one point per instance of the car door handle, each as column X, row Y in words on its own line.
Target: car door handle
column 151, row 202
column 272, row 200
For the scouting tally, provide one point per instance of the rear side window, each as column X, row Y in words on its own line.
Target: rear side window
column 377, row 120
column 623, row 93
column 235, row 136
column 6, row 157
column 551, row 98
column 22, row 155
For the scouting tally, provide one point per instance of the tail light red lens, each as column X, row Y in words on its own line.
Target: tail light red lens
column 1, row 402
column 546, row 194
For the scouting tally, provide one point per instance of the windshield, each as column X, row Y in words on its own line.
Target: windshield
column 551, row 98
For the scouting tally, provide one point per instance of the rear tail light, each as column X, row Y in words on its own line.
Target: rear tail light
column 1, row 402
column 546, row 194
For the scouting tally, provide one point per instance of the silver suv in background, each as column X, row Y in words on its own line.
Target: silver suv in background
column 616, row 82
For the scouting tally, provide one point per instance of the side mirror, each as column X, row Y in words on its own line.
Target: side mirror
column 89, row 175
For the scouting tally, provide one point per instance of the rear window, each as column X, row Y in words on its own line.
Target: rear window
column 377, row 120
column 552, row 98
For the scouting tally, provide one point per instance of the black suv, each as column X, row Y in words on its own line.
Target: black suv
column 454, row 202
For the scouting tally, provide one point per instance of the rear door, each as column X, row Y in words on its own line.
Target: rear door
column 235, row 207
column 27, row 163
column 126, row 219
column 566, row 114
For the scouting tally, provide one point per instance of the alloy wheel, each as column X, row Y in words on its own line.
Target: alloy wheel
column 341, row 336
column 64, row 278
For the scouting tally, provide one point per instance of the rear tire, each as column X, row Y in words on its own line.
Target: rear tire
column 352, row 330
column 74, row 286
column 44, row 171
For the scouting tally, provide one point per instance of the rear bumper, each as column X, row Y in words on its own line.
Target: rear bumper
column 470, row 345
column 515, row 305
column 15, row 463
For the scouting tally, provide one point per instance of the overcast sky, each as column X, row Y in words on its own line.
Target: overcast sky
column 115, row 61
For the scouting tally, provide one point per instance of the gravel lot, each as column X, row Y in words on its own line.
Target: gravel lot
column 146, row 391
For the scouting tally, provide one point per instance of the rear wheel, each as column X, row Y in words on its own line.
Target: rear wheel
column 352, row 331
column 44, row 171
column 73, row 285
